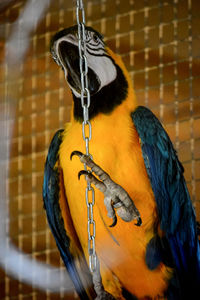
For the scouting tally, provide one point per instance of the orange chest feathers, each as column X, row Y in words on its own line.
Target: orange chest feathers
column 121, row 250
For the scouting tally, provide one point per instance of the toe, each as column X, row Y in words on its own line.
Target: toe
column 77, row 153
column 114, row 221
column 139, row 222
column 84, row 172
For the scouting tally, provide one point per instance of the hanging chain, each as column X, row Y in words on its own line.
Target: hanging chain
column 86, row 130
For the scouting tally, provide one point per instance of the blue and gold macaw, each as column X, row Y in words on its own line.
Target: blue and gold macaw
column 137, row 176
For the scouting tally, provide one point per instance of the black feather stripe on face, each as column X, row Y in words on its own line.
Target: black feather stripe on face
column 71, row 30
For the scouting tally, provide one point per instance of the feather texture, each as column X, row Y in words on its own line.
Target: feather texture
column 175, row 210
column 51, row 192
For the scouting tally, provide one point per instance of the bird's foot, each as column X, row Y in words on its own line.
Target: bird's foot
column 115, row 197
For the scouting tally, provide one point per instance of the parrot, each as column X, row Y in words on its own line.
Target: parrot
column 146, row 230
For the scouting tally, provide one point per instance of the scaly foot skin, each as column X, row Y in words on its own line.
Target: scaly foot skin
column 115, row 197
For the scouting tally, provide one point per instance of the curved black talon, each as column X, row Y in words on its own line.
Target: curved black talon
column 114, row 222
column 78, row 153
column 83, row 172
column 139, row 222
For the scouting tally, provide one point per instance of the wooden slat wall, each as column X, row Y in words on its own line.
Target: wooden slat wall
column 159, row 42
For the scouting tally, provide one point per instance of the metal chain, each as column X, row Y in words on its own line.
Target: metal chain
column 86, row 130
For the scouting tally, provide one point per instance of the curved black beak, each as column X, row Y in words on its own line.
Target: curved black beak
column 64, row 50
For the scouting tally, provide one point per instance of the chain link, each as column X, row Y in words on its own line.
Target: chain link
column 86, row 130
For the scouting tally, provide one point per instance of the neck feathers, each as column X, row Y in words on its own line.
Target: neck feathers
column 109, row 97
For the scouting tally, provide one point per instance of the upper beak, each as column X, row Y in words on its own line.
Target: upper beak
column 64, row 50
column 66, row 54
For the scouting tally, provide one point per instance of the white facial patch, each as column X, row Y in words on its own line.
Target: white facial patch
column 97, row 60
column 103, row 68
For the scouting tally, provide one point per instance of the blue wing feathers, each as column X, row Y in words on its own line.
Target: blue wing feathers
column 175, row 210
column 154, row 252
column 51, row 204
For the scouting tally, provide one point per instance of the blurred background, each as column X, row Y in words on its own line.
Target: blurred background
column 159, row 42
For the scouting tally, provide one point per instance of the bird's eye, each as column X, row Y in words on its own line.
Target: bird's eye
column 95, row 37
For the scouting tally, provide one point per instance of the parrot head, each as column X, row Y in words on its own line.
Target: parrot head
column 107, row 80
